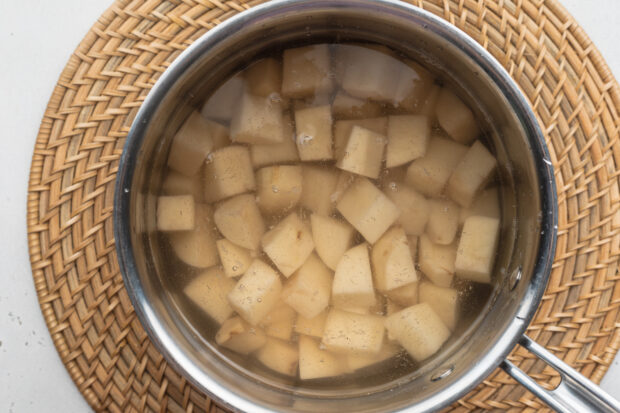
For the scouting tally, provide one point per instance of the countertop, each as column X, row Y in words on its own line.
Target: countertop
column 38, row 36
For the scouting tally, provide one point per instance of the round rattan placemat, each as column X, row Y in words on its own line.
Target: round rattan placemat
column 76, row 274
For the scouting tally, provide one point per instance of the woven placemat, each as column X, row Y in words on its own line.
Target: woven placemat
column 74, row 264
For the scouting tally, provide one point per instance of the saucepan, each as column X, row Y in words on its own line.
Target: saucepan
column 528, row 199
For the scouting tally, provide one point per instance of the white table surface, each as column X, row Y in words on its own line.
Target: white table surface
column 38, row 36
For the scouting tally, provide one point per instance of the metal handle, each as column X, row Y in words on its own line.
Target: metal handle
column 574, row 394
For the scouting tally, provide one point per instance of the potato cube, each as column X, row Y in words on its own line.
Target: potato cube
column 279, row 356
column 309, row 289
column 208, row 291
column 175, row 213
column 367, row 209
column 345, row 179
column 256, row 293
column 405, row 296
column 456, row 118
column 190, row 145
column 318, row 185
column 392, row 307
column 240, row 337
column 235, row 259
column 332, row 237
column 345, row 106
column 430, row 173
column 224, row 101
column 444, row 301
column 343, row 128
column 443, row 222
column 219, row 134
column 471, row 174
column 258, row 120
column 477, row 248
column 240, row 221
column 178, row 184
column 280, row 321
column 359, row 361
column 486, row 204
column 278, row 188
column 315, row 363
column 306, row 71
column 417, row 83
column 313, row 133
column 414, row 208
column 429, row 103
column 363, row 153
column 228, row 171
column 311, row 326
column 437, row 261
column 347, row 332
column 419, row 330
column 197, row 247
column 276, row 153
column 392, row 262
column 288, row 244
column 352, row 286
column 408, row 137
column 413, row 246
column 264, row 77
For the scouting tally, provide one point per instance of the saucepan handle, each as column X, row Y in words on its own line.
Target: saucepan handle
column 574, row 394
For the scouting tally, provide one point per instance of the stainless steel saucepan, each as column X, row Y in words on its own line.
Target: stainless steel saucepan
column 528, row 203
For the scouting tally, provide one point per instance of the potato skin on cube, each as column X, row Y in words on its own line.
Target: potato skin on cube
column 475, row 255
column 175, row 213
column 208, row 291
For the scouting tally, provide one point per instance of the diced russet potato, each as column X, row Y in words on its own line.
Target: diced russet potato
column 414, row 208
column 363, row 153
column 240, row 221
column 359, row 361
column 318, row 185
column 405, row 296
column 279, row 356
column 257, row 120
column 176, row 183
column 278, row 188
column 436, row 261
column 306, row 71
column 175, row 213
column 288, row 244
column 443, row 222
column 444, row 301
column 309, row 289
column 471, row 174
column 352, row 286
column 332, row 237
column 430, row 173
column 417, row 83
column 347, row 332
column 209, row 291
column 227, row 172
column 235, row 259
column 264, row 77
column 256, row 293
column 197, row 247
column 313, row 133
column 419, row 330
column 224, row 102
column 239, row 336
column 455, row 117
column 345, row 106
column 486, row 204
column 475, row 255
column 343, row 128
column 378, row 308
column 190, row 145
column 408, row 137
column 365, row 207
column 311, row 326
column 220, row 134
column 280, row 321
column 392, row 262
column 315, row 363
column 276, row 153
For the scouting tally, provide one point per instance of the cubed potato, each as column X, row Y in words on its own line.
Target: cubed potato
column 392, row 263
column 278, row 188
column 393, row 178
column 235, row 259
column 313, row 133
column 408, row 137
column 352, row 286
column 279, row 356
column 343, row 128
column 471, row 174
column 257, row 120
column 240, row 221
column 310, row 102
column 419, row 330
column 363, row 153
column 224, row 101
column 228, row 171
column 359, row 361
column 347, row 332
column 288, row 244
column 443, row 221
column 315, row 363
column 280, row 321
column 475, row 255
column 414, row 208
column 437, row 261
column 444, row 301
column 208, row 291
column 456, row 118
column 197, row 247
column 309, row 289
column 332, row 237
column 365, row 207
column 256, row 293
column 429, row 103
column 220, row 134
column 190, row 145
column 430, row 173
column 240, row 337
column 345, row 106
column 306, row 71
column 486, row 205
column 311, row 326
column 178, row 184
column 413, row 247
column 405, row 296
column 345, row 179
column 417, row 84
column 264, row 77
column 318, row 183
column 392, row 307
column 378, row 308
column 175, row 213
column 276, row 153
